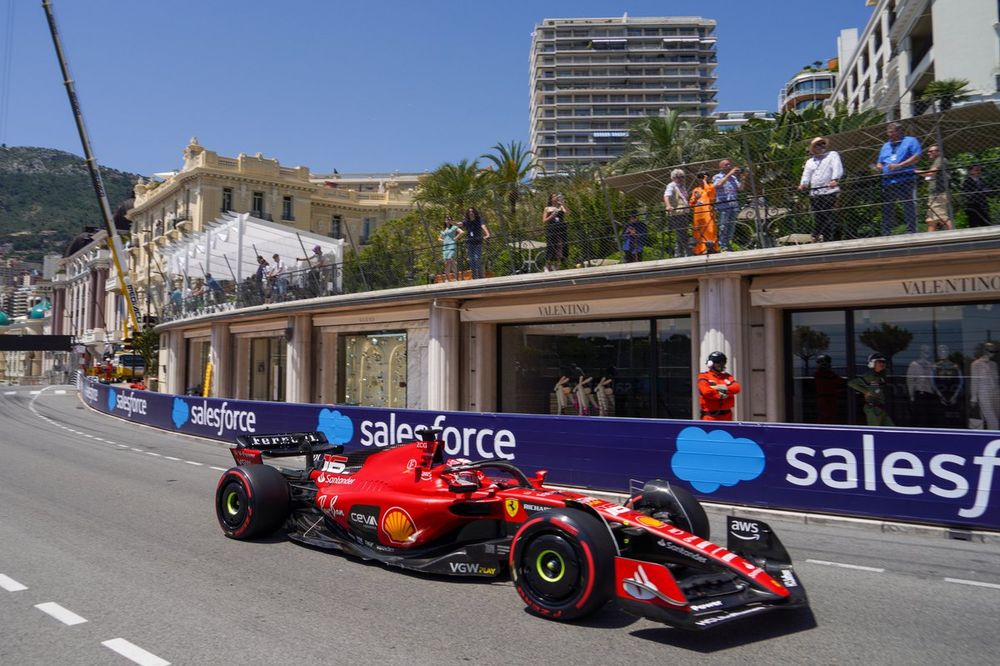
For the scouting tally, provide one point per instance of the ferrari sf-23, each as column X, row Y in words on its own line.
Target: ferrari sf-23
column 567, row 553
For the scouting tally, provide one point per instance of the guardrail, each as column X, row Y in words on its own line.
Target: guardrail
column 925, row 476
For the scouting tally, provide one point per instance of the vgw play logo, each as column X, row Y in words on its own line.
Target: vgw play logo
column 220, row 419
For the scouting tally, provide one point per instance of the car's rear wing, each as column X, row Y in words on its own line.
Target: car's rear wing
column 252, row 449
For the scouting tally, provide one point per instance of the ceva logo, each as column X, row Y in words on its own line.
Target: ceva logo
column 112, row 400
column 708, row 460
column 338, row 428
column 180, row 412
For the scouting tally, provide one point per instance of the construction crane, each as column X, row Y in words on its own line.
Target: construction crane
column 114, row 240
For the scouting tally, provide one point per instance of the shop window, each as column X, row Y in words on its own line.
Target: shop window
column 197, row 363
column 636, row 368
column 940, row 371
column 227, row 199
column 267, row 368
column 372, row 369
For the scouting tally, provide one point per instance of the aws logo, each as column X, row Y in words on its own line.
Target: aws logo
column 709, row 460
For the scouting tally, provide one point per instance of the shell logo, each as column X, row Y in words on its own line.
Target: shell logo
column 398, row 525
column 651, row 522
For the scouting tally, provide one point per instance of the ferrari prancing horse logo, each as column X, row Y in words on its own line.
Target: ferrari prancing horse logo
column 512, row 506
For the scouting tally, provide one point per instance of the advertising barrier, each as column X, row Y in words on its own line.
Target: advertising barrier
column 945, row 477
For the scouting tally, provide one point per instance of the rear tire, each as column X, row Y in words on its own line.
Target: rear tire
column 562, row 564
column 251, row 501
column 673, row 504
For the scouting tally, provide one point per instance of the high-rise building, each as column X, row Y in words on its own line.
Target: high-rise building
column 909, row 43
column 591, row 78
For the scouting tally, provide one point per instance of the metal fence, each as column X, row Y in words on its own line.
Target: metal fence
column 610, row 219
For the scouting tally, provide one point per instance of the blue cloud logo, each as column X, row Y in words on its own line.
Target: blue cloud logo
column 180, row 412
column 337, row 427
column 112, row 401
column 708, row 460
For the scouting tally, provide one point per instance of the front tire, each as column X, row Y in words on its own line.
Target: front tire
column 562, row 564
column 251, row 501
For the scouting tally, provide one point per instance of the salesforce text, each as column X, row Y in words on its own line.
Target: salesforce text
column 223, row 418
column 462, row 442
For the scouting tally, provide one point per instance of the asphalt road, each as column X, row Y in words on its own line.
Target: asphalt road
column 109, row 547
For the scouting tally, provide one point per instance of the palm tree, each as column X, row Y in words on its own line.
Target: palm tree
column 662, row 141
column 452, row 186
column 511, row 165
column 946, row 92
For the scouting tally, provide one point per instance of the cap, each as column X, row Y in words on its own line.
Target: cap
column 317, row 248
column 819, row 139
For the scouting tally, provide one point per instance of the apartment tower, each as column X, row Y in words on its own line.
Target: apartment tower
column 591, row 78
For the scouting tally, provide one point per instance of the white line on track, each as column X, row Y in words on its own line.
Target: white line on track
column 150, row 453
column 58, row 612
column 975, row 583
column 60, row 391
column 10, row 392
column 134, row 652
column 34, row 392
column 137, row 450
column 11, row 585
column 221, row 469
column 841, row 565
column 172, row 458
column 191, row 462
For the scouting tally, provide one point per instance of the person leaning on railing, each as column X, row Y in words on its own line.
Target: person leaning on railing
column 975, row 199
column 937, row 197
column 895, row 163
column 821, row 176
column 675, row 201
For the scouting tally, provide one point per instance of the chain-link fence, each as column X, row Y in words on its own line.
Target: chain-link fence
column 764, row 186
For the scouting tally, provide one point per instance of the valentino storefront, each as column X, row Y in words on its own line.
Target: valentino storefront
column 628, row 340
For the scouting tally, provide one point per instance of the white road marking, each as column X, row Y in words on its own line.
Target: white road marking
column 134, row 652
column 121, row 446
column 58, row 612
column 137, row 450
column 976, row 583
column 221, row 469
column 172, row 458
column 150, row 453
column 34, row 392
column 191, row 462
column 857, row 567
column 10, row 392
column 11, row 585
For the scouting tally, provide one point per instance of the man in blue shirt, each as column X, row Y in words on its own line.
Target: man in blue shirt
column 727, row 187
column 899, row 182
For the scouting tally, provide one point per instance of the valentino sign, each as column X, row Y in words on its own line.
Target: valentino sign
column 956, row 285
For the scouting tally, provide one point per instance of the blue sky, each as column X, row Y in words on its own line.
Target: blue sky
column 354, row 86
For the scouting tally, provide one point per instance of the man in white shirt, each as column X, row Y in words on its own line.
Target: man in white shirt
column 675, row 201
column 821, row 178
column 279, row 278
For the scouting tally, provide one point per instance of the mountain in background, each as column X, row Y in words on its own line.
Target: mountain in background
column 46, row 199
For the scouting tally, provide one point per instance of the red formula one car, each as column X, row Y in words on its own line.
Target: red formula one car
column 568, row 553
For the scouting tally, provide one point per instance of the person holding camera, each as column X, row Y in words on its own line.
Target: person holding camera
column 556, row 232
column 728, row 184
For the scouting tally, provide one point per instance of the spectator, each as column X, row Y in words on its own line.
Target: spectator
column 279, row 278
column 313, row 270
column 727, row 186
column 937, row 191
column 215, row 291
column 895, row 163
column 974, row 197
column 703, row 230
column 821, row 178
column 675, row 201
column 476, row 233
column 556, row 232
column 450, row 233
column 260, row 277
column 176, row 299
column 635, row 238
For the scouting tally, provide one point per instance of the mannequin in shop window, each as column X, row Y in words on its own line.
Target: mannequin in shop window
column 920, row 388
column 948, row 383
column 605, row 396
column 585, row 402
column 984, row 391
column 563, row 400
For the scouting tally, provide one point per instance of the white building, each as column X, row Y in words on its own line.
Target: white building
column 591, row 78
column 909, row 43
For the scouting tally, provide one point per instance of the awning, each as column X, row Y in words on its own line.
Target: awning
column 228, row 246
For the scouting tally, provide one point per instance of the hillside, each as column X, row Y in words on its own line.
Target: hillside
column 46, row 198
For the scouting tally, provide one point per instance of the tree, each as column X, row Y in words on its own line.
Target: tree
column 146, row 344
column 512, row 163
column 887, row 339
column 808, row 343
column 946, row 92
column 662, row 141
column 452, row 186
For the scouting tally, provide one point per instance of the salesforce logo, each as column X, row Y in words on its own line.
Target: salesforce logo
column 338, row 428
column 179, row 413
column 90, row 393
column 708, row 460
column 126, row 402
column 458, row 440
column 112, row 400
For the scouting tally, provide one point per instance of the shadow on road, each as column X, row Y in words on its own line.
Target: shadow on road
column 734, row 634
